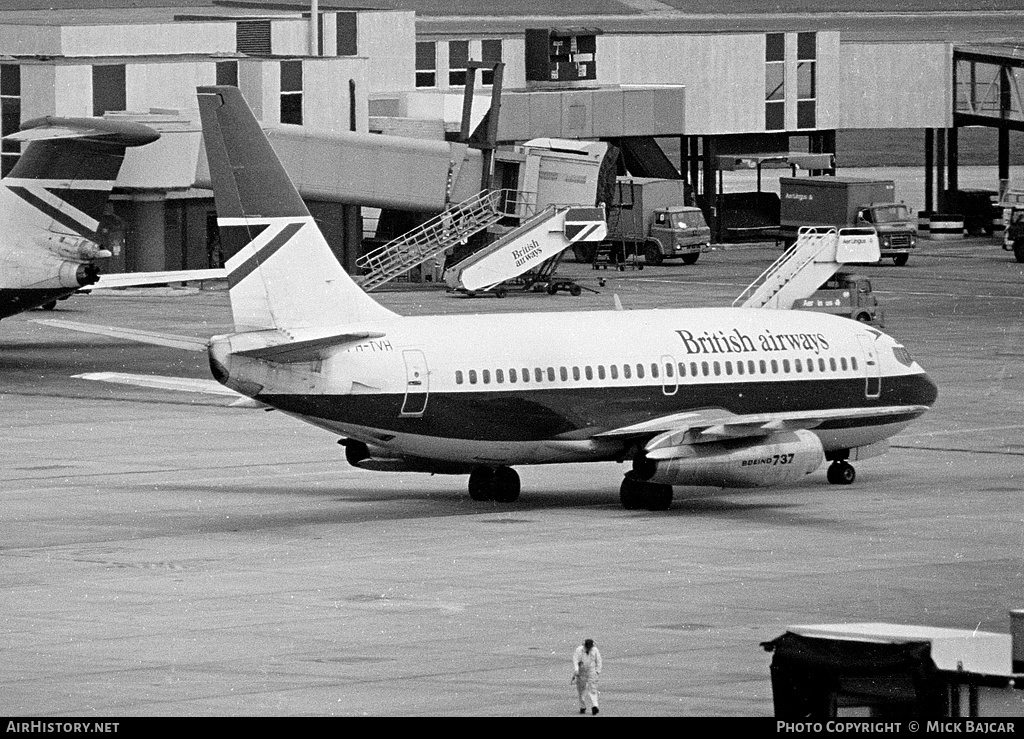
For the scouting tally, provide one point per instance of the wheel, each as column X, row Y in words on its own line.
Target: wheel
column 500, row 292
column 505, row 485
column 657, row 496
column 652, row 253
column 552, row 288
column 575, row 290
column 841, row 472
column 691, row 258
column 631, row 492
column 863, row 317
column 1018, row 251
column 481, row 483
column 900, row 259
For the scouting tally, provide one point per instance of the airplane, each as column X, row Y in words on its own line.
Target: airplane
column 725, row 397
column 51, row 208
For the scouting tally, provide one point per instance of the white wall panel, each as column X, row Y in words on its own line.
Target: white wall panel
column 388, row 40
column 156, row 38
column 167, row 85
column 889, row 85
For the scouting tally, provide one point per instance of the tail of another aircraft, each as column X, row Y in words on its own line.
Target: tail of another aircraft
column 282, row 274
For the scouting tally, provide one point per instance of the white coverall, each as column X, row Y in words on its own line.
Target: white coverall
column 586, row 667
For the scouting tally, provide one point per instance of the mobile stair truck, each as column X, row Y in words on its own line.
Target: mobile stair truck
column 648, row 217
column 841, row 202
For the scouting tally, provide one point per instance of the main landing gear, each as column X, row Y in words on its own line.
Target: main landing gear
column 841, row 472
column 635, row 493
column 500, row 484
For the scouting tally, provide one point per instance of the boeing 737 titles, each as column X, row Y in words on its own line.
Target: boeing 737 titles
column 728, row 397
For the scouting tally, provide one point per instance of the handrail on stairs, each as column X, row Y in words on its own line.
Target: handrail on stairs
column 806, row 233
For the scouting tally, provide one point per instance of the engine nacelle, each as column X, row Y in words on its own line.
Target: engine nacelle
column 77, row 248
column 370, row 457
column 76, row 274
column 779, row 459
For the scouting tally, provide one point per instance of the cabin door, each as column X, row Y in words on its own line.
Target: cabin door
column 669, row 379
column 872, row 370
column 417, row 383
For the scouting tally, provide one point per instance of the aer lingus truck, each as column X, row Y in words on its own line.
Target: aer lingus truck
column 840, row 202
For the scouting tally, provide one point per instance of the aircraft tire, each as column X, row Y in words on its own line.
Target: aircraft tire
column 841, row 472
column 652, row 253
column 631, row 492
column 657, row 497
column 505, row 485
column 481, row 484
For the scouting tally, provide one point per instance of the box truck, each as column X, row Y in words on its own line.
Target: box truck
column 839, row 202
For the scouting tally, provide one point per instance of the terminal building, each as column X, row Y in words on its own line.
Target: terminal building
column 383, row 111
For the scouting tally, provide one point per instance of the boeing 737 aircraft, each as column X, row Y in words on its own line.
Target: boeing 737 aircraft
column 51, row 207
column 727, row 397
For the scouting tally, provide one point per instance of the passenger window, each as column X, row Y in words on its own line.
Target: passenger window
column 487, row 377
column 588, row 372
column 718, row 368
column 751, row 367
column 472, row 377
column 682, row 369
column 576, row 373
column 626, row 371
column 785, row 365
column 705, row 370
column 693, row 369
column 458, row 377
column 512, row 377
column 853, row 363
column 739, row 368
column 821, row 364
column 600, row 371
column 639, row 371
column 842, row 363
column 775, row 367
column 551, row 374
column 832, row 363
column 614, row 369
column 654, row 369
column 764, row 367
column 563, row 373
column 538, row 374
column 669, row 370
column 499, row 376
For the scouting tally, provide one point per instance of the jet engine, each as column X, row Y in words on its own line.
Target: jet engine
column 370, row 457
column 779, row 459
column 75, row 274
column 76, row 248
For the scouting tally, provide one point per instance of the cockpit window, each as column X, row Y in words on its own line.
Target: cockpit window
column 902, row 355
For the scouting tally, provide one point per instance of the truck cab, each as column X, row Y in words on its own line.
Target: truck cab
column 845, row 294
column 897, row 232
column 677, row 231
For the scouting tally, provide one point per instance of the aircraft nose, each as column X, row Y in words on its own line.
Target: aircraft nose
column 926, row 391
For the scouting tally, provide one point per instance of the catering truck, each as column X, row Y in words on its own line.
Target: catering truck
column 840, row 202
column 648, row 217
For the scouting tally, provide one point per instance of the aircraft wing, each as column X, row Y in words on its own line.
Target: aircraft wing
column 175, row 341
column 668, row 434
column 141, row 279
column 177, row 384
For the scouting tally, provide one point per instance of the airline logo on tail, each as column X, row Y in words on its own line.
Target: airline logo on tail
column 271, row 235
column 55, row 199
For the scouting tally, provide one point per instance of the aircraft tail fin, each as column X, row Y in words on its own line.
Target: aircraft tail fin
column 68, row 170
column 281, row 272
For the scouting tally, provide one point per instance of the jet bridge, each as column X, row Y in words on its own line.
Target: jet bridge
column 816, row 255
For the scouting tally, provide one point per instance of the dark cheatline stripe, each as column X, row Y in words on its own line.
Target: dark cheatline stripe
column 539, row 414
column 252, row 263
column 62, row 218
column 17, row 301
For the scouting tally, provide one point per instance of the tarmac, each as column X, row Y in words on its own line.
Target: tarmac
column 164, row 555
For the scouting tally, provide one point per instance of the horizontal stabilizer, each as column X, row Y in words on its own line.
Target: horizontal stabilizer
column 177, row 384
column 142, row 279
column 188, row 343
column 308, row 350
column 99, row 130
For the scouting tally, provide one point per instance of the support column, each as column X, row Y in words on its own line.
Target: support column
column 695, row 164
column 929, row 170
column 940, row 169
column 146, row 247
column 711, row 188
column 1004, row 153
column 953, row 157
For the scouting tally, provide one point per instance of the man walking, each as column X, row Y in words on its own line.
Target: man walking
column 586, row 666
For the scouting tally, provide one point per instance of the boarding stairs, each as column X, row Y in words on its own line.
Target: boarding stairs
column 817, row 254
column 536, row 241
column 453, row 226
